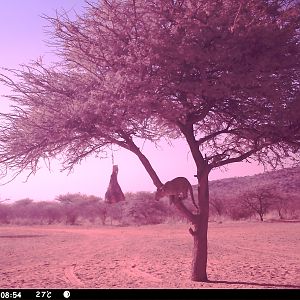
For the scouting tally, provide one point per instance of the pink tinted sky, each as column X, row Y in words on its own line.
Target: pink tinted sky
column 22, row 38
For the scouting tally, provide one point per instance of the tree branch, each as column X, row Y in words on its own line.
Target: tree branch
column 216, row 133
column 131, row 146
column 181, row 207
column 234, row 159
column 188, row 132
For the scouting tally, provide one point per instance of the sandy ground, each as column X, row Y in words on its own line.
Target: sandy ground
column 241, row 255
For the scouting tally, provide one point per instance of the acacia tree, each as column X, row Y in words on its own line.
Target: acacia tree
column 258, row 201
column 281, row 204
column 217, row 205
column 224, row 75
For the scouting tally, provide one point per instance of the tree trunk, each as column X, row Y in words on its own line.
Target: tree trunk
column 199, row 221
column 199, row 263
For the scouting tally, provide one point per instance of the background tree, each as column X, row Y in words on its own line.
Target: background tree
column 224, row 75
column 217, row 204
column 115, row 212
column 5, row 213
column 21, row 210
column 102, row 212
column 281, row 205
column 47, row 212
column 78, row 205
column 287, row 205
column 258, row 201
column 140, row 209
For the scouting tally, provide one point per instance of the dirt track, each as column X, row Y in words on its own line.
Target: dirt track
column 241, row 255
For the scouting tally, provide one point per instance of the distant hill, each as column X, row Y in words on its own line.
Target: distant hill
column 286, row 180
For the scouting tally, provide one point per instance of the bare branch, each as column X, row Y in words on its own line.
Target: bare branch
column 234, row 159
column 188, row 214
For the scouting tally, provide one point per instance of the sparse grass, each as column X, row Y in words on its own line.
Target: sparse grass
column 241, row 255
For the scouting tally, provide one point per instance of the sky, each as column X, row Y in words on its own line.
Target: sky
column 23, row 38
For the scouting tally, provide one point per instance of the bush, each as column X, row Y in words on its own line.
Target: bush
column 5, row 213
column 78, row 206
column 142, row 209
column 239, row 213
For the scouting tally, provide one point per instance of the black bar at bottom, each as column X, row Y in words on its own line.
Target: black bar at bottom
column 157, row 294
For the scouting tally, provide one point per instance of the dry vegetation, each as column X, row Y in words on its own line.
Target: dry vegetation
column 241, row 255
column 277, row 193
column 222, row 75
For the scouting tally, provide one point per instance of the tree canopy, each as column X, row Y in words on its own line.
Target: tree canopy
column 223, row 73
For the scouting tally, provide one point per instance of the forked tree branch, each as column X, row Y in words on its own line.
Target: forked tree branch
column 131, row 146
column 181, row 207
column 234, row 159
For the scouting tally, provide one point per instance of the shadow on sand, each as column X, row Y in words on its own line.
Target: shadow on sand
column 282, row 221
column 270, row 285
column 20, row 236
